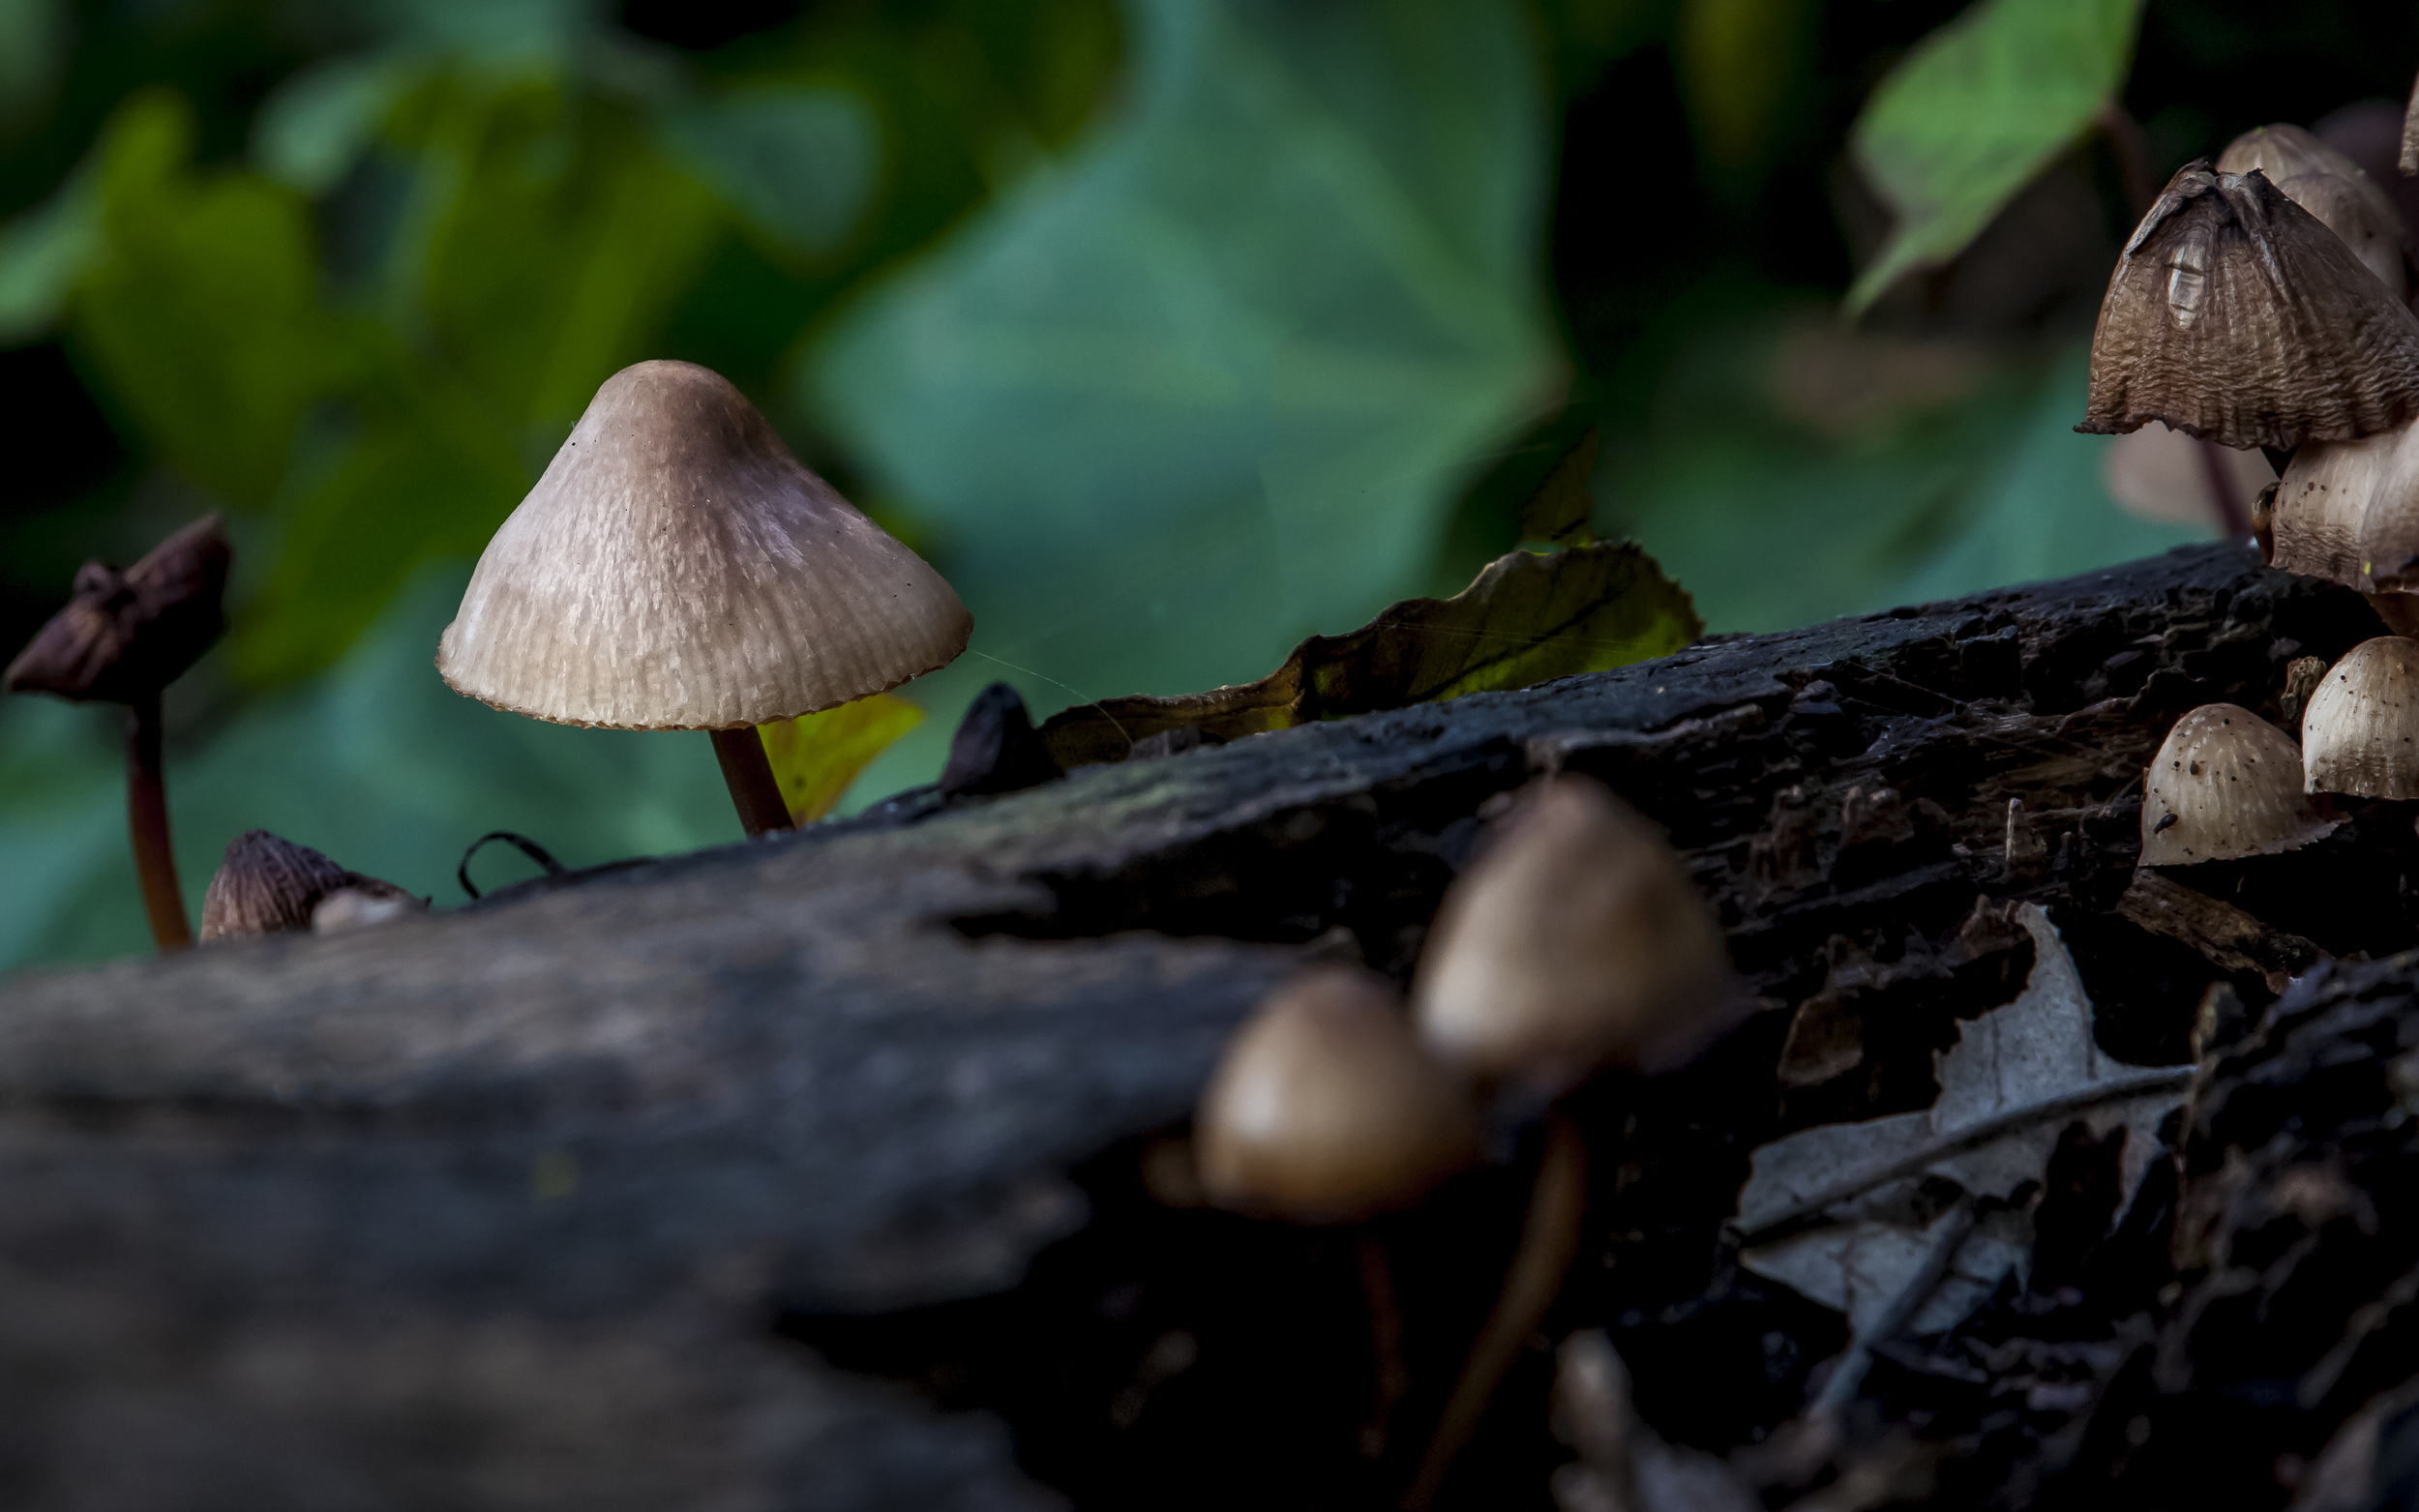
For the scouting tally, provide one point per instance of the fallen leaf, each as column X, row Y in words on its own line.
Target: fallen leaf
column 2015, row 1078
column 1527, row 618
column 816, row 756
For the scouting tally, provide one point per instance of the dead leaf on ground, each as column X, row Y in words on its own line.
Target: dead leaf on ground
column 1527, row 618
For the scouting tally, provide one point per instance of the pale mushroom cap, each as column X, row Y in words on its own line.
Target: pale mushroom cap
column 2360, row 734
column 1326, row 1108
column 1575, row 940
column 2227, row 784
column 677, row 568
column 2348, row 512
column 2331, row 187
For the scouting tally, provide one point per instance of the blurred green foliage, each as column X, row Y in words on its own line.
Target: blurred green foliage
column 1171, row 330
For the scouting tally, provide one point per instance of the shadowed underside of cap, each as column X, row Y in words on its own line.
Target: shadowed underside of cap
column 2360, row 734
column 2348, row 512
column 678, row 568
column 2235, row 316
column 2331, row 187
column 2225, row 785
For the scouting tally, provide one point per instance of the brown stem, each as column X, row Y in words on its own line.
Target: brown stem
column 2224, row 501
column 749, row 774
column 2133, row 155
column 147, row 822
column 1547, row 1242
column 1390, row 1375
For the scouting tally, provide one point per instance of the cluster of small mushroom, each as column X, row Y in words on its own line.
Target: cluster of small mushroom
column 2264, row 303
column 675, row 568
column 1574, row 941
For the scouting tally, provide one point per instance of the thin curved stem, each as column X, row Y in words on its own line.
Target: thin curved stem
column 1547, row 1242
column 749, row 774
column 147, row 824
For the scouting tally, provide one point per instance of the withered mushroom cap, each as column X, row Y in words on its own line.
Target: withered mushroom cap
column 2331, row 187
column 124, row 635
column 2360, row 734
column 2235, row 316
column 268, row 885
column 2348, row 512
column 2227, row 784
column 677, row 568
column 1575, row 940
column 1326, row 1109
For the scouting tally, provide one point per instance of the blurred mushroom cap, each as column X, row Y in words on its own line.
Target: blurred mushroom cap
column 2225, row 784
column 127, row 635
column 2331, row 187
column 2235, row 316
column 2360, row 734
column 1575, row 940
column 360, row 902
column 1326, row 1108
column 677, row 568
column 2348, row 512
column 269, row 885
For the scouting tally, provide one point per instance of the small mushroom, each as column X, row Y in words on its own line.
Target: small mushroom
column 365, row 901
column 2227, row 784
column 1574, row 940
column 2236, row 315
column 1326, row 1109
column 2360, row 734
column 2348, row 512
column 2331, row 187
column 269, row 885
column 677, row 568
column 122, row 638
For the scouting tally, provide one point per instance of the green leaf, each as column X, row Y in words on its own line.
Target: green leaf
column 799, row 161
column 816, row 756
column 1215, row 382
column 1526, row 619
column 316, row 125
column 1975, row 112
column 43, row 253
column 201, row 306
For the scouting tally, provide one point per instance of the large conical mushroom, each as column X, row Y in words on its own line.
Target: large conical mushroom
column 1574, row 940
column 2225, row 785
column 2360, row 734
column 2331, row 187
column 2235, row 316
column 122, row 638
column 677, row 568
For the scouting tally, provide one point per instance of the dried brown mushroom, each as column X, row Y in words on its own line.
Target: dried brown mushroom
column 2331, row 187
column 270, row 885
column 122, row 639
column 2227, row 784
column 677, row 568
column 2235, row 316
column 1575, row 940
column 1326, row 1109
column 2360, row 734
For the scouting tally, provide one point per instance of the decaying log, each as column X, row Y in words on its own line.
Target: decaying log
column 500, row 1208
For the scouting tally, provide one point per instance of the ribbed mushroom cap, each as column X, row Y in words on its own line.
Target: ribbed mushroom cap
column 127, row 635
column 2360, row 734
column 1326, row 1109
column 677, row 568
column 2410, row 132
column 1575, row 940
column 2331, row 187
column 2348, row 512
column 2225, row 785
column 267, row 886
column 2235, row 316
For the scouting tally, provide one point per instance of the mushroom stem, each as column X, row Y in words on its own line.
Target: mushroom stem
column 749, row 773
column 147, row 822
column 1389, row 1373
column 1547, row 1242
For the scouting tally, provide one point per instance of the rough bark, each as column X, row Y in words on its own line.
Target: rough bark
column 497, row 1208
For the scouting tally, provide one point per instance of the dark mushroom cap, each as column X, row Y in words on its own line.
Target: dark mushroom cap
column 269, row 885
column 127, row 635
column 2235, row 316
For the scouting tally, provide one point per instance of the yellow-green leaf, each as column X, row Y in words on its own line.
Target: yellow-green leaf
column 1526, row 619
column 816, row 756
